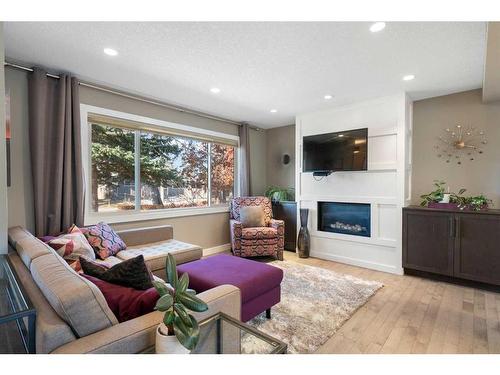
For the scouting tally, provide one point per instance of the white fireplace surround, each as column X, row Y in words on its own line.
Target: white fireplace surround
column 385, row 185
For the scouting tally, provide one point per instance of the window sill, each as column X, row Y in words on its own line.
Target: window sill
column 131, row 216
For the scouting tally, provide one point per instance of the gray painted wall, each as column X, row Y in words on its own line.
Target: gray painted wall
column 430, row 118
column 281, row 141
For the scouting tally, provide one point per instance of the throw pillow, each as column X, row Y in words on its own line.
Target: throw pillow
column 104, row 240
column 72, row 245
column 132, row 273
column 252, row 216
column 126, row 303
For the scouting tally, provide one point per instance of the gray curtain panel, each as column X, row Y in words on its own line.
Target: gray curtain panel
column 56, row 159
column 244, row 167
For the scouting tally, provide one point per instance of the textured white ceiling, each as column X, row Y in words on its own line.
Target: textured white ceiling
column 289, row 66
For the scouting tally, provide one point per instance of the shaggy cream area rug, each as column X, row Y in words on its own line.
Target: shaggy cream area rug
column 315, row 302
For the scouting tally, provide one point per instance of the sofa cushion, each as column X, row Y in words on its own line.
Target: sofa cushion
column 76, row 300
column 252, row 216
column 155, row 254
column 51, row 331
column 259, row 233
column 141, row 236
column 132, row 273
column 30, row 248
column 26, row 245
column 104, row 240
column 16, row 234
column 126, row 303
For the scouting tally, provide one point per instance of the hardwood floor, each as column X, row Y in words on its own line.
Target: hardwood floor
column 415, row 315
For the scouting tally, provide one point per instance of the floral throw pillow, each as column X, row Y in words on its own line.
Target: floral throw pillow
column 72, row 245
column 104, row 240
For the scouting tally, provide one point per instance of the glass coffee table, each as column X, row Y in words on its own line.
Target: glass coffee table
column 16, row 309
column 222, row 334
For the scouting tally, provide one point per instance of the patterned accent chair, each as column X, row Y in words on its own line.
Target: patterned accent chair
column 259, row 241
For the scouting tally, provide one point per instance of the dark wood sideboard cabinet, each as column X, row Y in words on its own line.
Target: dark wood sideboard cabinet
column 287, row 211
column 459, row 244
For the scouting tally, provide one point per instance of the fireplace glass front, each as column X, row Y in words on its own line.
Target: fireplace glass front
column 345, row 218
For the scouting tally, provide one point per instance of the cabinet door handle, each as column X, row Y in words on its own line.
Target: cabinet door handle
column 452, row 227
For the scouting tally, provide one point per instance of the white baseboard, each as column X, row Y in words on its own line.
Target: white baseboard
column 358, row 262
column 217, row 249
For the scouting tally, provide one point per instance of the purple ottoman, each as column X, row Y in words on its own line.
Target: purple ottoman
column 258, row 282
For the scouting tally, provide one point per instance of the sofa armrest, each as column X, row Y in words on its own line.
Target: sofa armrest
column 139, row 334
column 141, row 236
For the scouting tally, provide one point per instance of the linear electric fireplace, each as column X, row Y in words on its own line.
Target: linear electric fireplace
column 345, row 218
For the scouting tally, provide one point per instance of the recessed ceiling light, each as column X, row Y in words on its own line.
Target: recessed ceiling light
column 110, row 51
column 328, row 97
column 273, row 110
column 408, row 77
column 215, row 90
column 341, row 135
column 377, row 26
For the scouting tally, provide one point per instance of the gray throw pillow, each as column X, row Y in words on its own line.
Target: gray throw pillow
column 252, row 216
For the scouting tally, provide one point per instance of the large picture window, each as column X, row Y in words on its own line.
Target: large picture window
column 137, row 169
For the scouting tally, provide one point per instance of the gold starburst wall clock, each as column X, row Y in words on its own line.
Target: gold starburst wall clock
column 460, row 143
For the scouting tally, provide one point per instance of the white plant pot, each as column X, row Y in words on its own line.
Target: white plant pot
column 446, row 198
column 168, row 344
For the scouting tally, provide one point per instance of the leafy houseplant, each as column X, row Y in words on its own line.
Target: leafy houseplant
column 435, row 195
column 175, row 302
column 278, row 194
column 476, row 203
column 462, row 202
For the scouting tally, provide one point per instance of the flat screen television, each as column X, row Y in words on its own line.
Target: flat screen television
column 332, row 152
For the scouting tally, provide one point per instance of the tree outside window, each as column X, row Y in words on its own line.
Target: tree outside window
column 174, row 171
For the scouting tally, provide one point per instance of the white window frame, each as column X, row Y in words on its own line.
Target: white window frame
column 91, row 217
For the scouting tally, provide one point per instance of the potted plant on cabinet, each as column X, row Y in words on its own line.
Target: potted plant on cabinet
column 279, row 194
column 439, row 199
column 179, row 332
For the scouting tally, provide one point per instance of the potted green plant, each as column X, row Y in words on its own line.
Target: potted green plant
column 474, row 203
column 278, row 194
column 434, row 196
column 179, row 332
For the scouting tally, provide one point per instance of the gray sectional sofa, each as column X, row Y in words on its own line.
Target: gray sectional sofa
column 72, row 314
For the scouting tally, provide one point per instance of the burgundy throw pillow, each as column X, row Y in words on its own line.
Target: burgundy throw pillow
column 103, row 240
column 126, row 303
column 133, row 273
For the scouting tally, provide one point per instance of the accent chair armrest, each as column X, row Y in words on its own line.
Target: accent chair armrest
column 279, row 225
column 139, row 334
column 236, row 228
